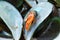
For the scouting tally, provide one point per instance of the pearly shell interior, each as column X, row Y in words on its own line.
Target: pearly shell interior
column 13, row 19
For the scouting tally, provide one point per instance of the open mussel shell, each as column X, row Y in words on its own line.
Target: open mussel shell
column 13, row 19
column 43, row 10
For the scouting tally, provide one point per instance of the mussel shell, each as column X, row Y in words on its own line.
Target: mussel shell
column 12, row 18
column 43, row 10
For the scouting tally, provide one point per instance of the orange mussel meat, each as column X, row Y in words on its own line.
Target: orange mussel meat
column 29, row 21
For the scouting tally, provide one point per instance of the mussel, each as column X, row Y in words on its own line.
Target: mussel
column 12, row 18
column 42, row 11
